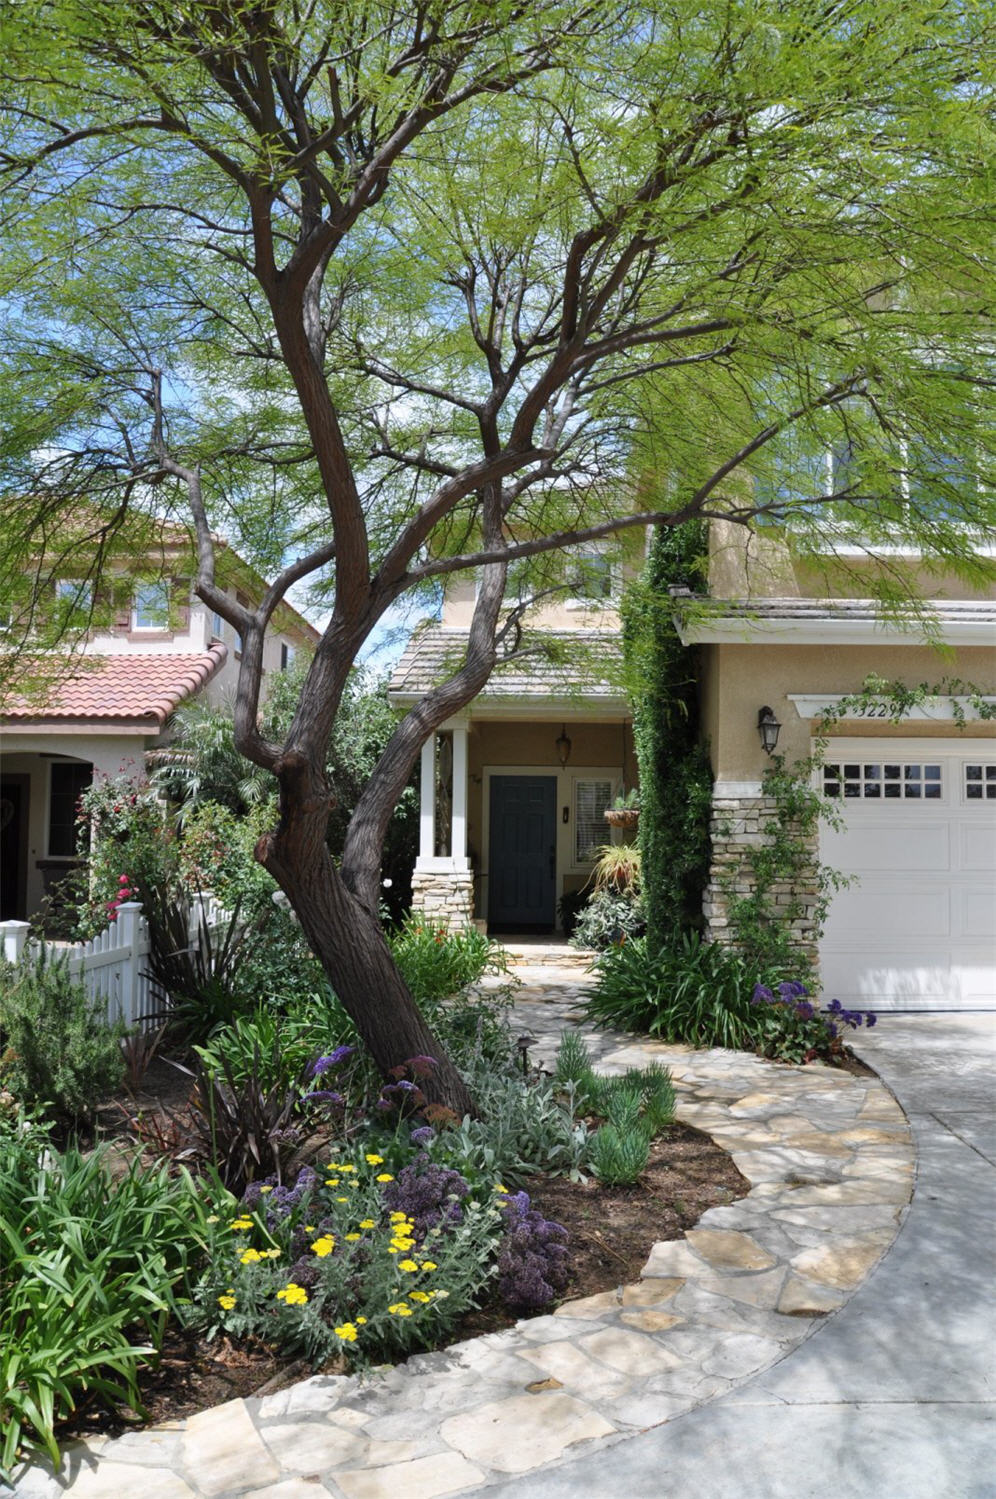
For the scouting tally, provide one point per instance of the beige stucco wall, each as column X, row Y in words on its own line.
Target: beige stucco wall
column 743, row 678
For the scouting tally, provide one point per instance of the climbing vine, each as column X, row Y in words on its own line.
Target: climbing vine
column 675, row 779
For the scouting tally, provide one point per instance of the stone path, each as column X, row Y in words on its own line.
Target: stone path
column 830, row 1162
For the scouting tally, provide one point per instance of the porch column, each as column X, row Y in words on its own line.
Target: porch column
column 458, row 834
column 427, row 803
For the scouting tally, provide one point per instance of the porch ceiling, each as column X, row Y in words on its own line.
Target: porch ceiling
column 564, row 673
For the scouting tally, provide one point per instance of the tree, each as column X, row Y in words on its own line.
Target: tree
column 393, row 291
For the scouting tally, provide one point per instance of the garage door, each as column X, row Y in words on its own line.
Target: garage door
column 916, row 930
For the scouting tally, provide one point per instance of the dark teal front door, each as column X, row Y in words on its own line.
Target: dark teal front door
column 522, row 877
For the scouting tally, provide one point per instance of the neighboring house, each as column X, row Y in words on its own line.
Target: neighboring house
column 162, row 648
column 512, row 813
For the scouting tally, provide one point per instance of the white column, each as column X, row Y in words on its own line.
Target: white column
column 427, row 802
column 458, row 820
column 15, row 939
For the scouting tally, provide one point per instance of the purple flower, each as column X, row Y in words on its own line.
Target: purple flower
column 430, row 1194
column 762, row 995
column 424, row 1135
column 804, row 1009
column 871, row 1020
column 322, row 1064
column 532, row 1258
column 322, row 1095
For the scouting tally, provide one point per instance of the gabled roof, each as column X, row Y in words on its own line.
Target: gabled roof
column 120, row 691
column 553, row 669
column 808, row 621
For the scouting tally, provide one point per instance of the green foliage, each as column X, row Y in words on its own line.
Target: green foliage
column 200, row 976
column 619, row 1153
column 697, row 994
column 360, row 1281
column 436, row 963
column 90, row 1267
column 610, row 916
column 619, row 866
column 124, row 832
column 524, row 1127
column 56, row 1048
column 675, row 781
column 783, row 862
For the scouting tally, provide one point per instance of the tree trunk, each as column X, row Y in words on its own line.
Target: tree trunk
column 349, row 942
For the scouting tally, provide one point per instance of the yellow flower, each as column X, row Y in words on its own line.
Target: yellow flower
column 429, row 1265
column 374, row 1160
column 324, row 1245
column 400, row 1309
column 407, row 1265
column 241, row 1224
column 419, row 1296
column 335, row 1166
column 309, row 1228
column 352, row 1238
column 368, row 1223
column 342, row 1199
column 347, row 1332
column 385, row 1176
column 398, row 1218
column 345, row 1168
column 499, row 1188
column 332, row 1181
column 271, row 1254
column 293, row 1295
column 226, row 1302
column 250, row 1257
column 211, row 1218
column 360, row 1321
column 266, row 1189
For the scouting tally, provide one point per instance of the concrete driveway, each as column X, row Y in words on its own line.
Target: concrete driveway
column 892, row 1398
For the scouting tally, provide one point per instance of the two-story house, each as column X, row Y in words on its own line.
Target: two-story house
column 513, row 790
column 155, row 647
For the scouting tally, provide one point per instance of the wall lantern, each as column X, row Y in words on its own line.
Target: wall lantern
column 768, row 727
column 563, row 746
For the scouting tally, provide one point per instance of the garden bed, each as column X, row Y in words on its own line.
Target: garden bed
column 610, row 1233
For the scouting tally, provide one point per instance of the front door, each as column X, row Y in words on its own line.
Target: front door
column 13, row 804
column 522, row 878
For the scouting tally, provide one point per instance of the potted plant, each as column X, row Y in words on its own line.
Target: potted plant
column 625, row 810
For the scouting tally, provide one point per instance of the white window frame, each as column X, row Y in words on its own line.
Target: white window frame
column 592, row 551
column 158, row 626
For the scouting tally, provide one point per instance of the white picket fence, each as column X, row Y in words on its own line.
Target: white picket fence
column 113, row 967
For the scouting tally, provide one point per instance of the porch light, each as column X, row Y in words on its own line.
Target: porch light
column 563, row 746
column 768, row 728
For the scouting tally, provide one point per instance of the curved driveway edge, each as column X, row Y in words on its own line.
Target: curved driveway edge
column 830, row 1161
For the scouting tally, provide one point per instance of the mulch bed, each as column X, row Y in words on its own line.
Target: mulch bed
column 610, row 1233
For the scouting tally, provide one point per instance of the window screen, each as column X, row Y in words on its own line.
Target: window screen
column 590, row 801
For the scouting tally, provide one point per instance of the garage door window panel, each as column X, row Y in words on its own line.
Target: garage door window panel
column 980, row 783
column 883, row 782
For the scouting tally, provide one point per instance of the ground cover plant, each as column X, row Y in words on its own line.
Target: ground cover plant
column 708, row 994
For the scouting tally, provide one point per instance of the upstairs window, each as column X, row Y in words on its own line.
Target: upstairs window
column 591, row 576
column 74, row 594
column 150, row 607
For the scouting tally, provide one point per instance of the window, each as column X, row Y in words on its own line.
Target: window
column 591, row 798
column 217, row 627
column 150, row 607
column 883, row 782
column 67, row 785
column 287, row 655
column 75, row 594
column 980, row 783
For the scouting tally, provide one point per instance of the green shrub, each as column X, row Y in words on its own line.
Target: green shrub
column 619, row 1154
column 56, row 1049
column 90, row 1267
column 610, row 916
column 436, row 964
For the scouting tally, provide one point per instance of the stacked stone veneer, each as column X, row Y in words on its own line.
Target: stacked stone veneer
column 738, row 825
column 445, row 898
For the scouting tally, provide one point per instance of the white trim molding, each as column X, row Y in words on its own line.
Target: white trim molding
column 811, row 705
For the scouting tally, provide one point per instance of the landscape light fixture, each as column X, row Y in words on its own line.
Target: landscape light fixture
column 563, row 746
column 768, row 728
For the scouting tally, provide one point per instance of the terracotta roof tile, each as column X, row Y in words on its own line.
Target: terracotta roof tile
column 553, row 666
column 120, row 689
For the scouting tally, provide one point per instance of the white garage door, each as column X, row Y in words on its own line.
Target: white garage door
column 917, row 928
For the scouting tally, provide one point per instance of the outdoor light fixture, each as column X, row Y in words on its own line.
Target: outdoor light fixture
column 563, row 745
column 768, row 727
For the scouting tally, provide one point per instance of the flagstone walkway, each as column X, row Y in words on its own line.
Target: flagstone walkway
column 830, row 1162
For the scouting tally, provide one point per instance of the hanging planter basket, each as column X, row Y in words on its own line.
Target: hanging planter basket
column 622, row 817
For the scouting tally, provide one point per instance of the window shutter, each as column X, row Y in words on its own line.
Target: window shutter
column 179, row 593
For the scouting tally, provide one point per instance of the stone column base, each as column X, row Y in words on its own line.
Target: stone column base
column 738, row 826
column 446, row 898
